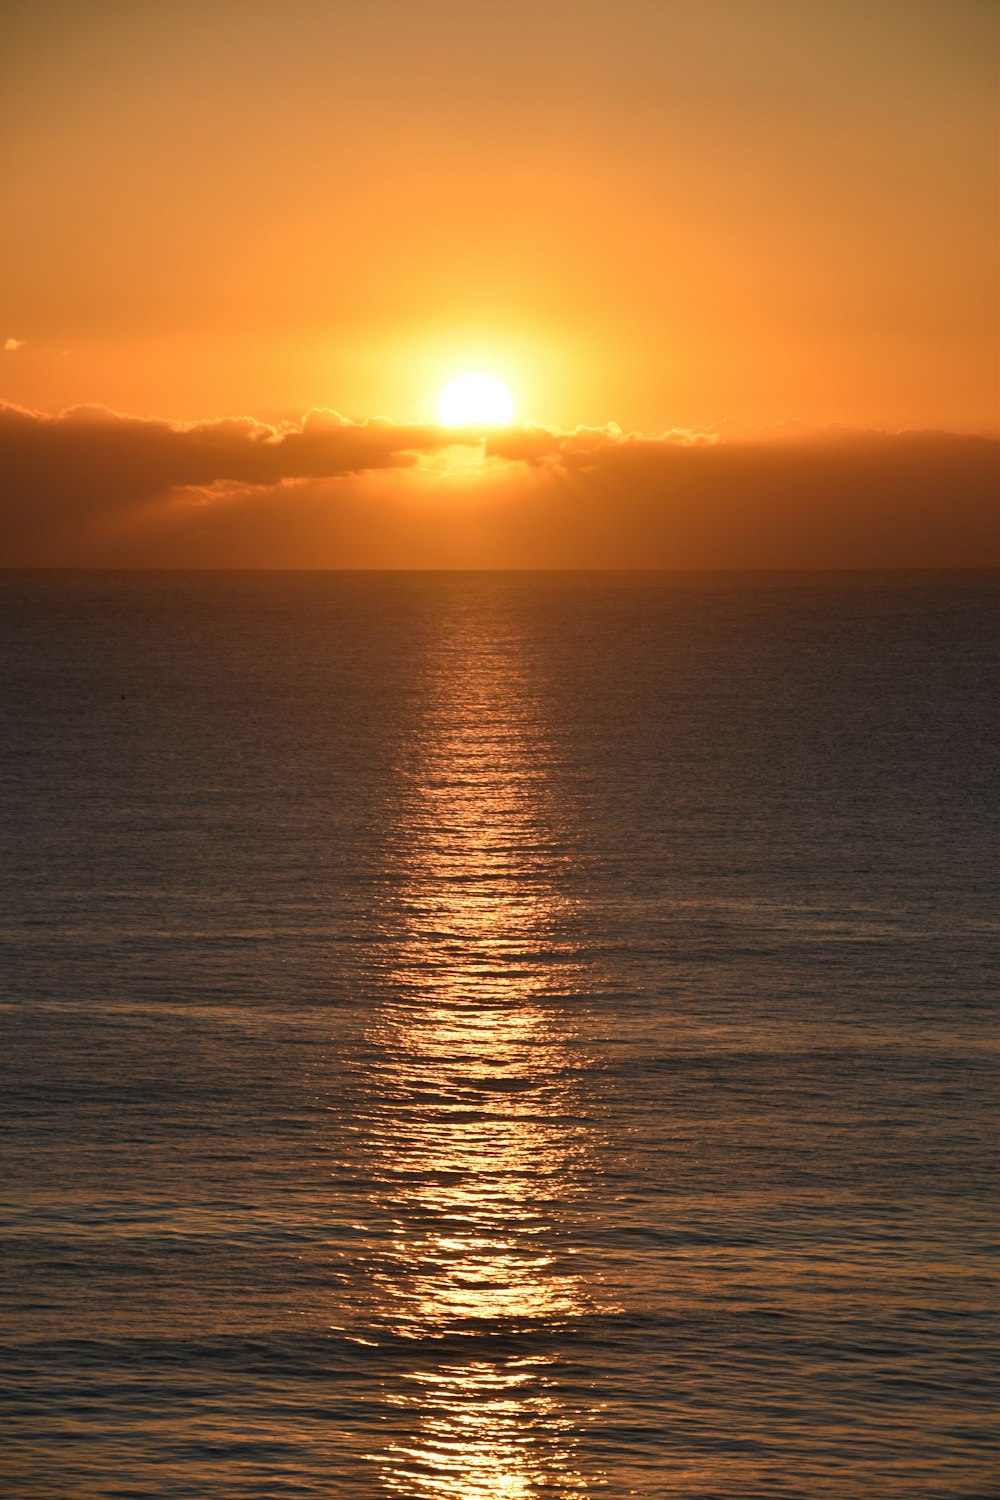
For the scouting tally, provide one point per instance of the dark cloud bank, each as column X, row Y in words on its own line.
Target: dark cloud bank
column 94, row 488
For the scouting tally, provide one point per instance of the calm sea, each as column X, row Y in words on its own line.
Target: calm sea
column 494, row 1036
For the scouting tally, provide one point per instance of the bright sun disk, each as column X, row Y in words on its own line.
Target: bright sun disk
column 475, row 401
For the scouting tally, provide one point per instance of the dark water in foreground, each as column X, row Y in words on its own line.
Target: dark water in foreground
column 499, row 1036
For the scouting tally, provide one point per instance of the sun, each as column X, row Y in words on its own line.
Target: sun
column 475, row 401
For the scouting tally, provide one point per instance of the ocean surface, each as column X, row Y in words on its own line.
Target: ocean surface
column 496, row 1036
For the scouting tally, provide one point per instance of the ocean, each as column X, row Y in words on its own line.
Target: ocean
column 496, row 1036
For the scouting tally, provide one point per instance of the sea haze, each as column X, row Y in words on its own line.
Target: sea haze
column 487, row 1036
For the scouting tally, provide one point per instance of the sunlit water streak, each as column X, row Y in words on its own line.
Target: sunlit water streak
column 477, row 1145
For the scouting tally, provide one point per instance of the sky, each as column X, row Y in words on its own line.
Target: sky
column 736, row 262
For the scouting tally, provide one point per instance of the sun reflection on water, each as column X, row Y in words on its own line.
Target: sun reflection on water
column 475, row 1441
column 478, row 1149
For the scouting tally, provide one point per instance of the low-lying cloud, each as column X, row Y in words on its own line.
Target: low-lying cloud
column 101, row 449
column 91, row 487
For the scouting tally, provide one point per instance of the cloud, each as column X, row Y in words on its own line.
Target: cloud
column 95, row 487
column 12, row 345
column 105, row 451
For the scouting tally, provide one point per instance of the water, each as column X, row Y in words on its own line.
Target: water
column 499, row 1035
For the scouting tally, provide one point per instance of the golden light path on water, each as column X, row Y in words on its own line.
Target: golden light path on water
column 477, row 1143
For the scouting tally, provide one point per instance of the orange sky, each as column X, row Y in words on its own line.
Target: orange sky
column 657, row 214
